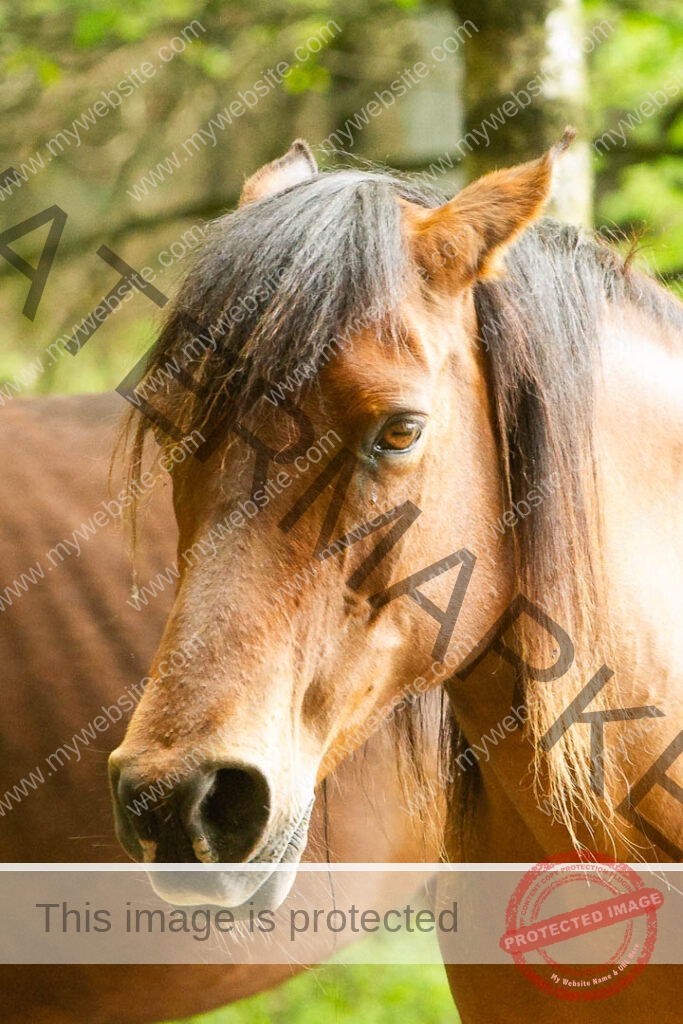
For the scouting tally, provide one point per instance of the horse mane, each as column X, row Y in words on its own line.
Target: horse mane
column 314, row 258
column 540, row 326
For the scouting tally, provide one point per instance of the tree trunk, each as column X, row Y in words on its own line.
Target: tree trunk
column 522, row 48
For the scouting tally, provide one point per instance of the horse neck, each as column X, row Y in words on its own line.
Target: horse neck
column 639, row 444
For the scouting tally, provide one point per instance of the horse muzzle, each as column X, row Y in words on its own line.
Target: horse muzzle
column 264, row 886
column 219, row 814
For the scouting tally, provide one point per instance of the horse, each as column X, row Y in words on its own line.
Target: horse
column 75, row 647
column 505, row 389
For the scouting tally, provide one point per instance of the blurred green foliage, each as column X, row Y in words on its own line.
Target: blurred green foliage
column 348, row 995
column 59, row 55
column 640, row 181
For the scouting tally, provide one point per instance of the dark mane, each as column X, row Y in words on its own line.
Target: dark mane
column 306, row 265
column 278, row 281
column 539, row 325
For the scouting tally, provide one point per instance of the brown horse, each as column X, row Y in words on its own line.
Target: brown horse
column 507, row 391
column 73, row 652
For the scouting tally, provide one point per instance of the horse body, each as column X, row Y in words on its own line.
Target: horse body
column 70, row 642
column 569, row 406
column 72, row 646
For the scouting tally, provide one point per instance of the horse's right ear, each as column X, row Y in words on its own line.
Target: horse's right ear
column 298, row 164
column 466, row 238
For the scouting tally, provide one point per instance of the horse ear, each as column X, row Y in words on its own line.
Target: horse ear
column 466, row 237
column 298, row 164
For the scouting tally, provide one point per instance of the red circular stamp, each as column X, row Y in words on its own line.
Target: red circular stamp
column 581, row 926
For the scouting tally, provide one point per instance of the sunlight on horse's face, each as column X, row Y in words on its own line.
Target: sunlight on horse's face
column 299, row 668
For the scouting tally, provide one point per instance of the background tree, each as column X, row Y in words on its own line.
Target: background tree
column 538, row 42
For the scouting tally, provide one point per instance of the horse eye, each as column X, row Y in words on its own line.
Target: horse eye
column 399, row 436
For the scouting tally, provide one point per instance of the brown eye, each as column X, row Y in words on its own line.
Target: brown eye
column 399, row 436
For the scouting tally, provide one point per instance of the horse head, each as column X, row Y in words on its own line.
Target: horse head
column 325, row 550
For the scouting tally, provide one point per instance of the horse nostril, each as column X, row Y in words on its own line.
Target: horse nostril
column 220, row 814
column 136, row 826
column 235, row 811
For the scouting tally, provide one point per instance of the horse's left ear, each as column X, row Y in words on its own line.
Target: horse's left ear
column 298, row 164
column 466, row 237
